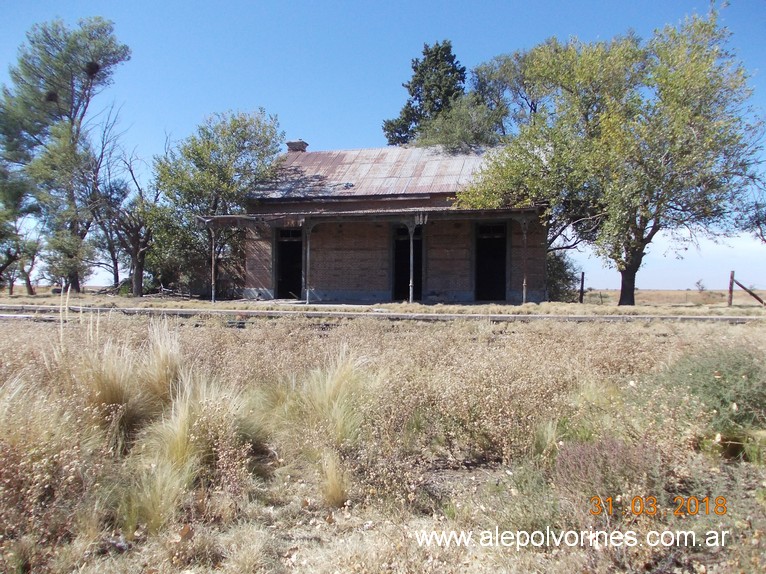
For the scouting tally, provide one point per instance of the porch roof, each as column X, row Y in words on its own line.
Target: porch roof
column 418, row 215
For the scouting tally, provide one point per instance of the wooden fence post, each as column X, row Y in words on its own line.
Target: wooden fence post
column 731, row 288
column 751, row 293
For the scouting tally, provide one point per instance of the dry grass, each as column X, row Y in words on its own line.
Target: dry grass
column 597, row 302
column 295, row 445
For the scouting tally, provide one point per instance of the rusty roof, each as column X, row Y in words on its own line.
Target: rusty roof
column 370, row 172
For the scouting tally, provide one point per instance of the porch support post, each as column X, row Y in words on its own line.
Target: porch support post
column 411, row 229
column 212, row 264
column 524, row 228
column 419, row 219
column 309, row 227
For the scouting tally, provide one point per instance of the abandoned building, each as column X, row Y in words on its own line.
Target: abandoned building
column 376, row 225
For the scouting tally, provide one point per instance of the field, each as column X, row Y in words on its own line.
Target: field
column 130, row 444
column 596, row 302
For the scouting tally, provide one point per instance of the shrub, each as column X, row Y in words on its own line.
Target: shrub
column 607, row 468
column 49, row 460
column 162, row 361
column 530, row 503
column 562, row 277
column 109, row 383
column 730, row 383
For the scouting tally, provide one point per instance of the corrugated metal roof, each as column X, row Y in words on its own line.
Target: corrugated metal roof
column 371, row 172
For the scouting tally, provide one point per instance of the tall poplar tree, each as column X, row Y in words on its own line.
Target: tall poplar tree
column 438, row 81
column 47, row 120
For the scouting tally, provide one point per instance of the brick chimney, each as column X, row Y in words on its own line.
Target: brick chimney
column 297, row 145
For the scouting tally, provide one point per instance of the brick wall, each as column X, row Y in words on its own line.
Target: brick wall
column 448, row 270
column 351, row 259
column 258, row 263
column 536, row 252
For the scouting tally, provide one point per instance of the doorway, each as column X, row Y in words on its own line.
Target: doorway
column 402, row 264
column 490, row 261
column 289, row 263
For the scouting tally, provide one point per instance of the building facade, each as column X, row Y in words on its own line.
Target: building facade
column 380, row 225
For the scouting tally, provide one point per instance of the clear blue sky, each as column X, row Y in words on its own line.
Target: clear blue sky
column 332, row 72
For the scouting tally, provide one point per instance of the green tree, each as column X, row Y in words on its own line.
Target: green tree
column 634, row 138
column 17, row 207
column 438, row 80
column 30, row 246
column 105, row 206
column 209, row 173
column 46, row 122
column 504, row 94
column 756, row 221
column 134, row 222
column 562, row 277
column 468, row 124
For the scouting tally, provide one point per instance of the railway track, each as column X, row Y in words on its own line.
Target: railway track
column 52, row 313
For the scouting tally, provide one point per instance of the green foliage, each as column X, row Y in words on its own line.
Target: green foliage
column 510, row 87
column 562, row 277
column 58, row 73
column 755, row 220
column 68, row 255
column 209, row 173
column 45, row 128
column 16, row 205
column 437, row 83
column 468, row 123
column 623, row 139
column 730, row 383
column 535, row 505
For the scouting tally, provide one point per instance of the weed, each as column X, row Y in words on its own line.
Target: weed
column 129, row 431
column 334, row 480
column 730, row 384
column 152, row 495
column 162, row 364
column 606, row 467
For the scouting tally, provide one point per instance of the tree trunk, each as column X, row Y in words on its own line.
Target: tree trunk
column 628, row 287
column 138, row 276
column 28, row 283
column 9, row 259
column 115, row 272
column 73, row 282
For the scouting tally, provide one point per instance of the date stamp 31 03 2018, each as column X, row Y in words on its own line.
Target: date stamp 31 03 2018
column 649, row 506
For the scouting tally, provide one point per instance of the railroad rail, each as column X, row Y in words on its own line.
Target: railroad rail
column 54, row 313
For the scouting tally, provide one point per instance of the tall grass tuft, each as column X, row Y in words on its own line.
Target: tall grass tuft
column 202, row 432
column 111, row 387
column 50, row 457
column 327, row 398
column 314, row 418
column 152, row 494
column 319, row 408
column 334, row 480
column 162, row 362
